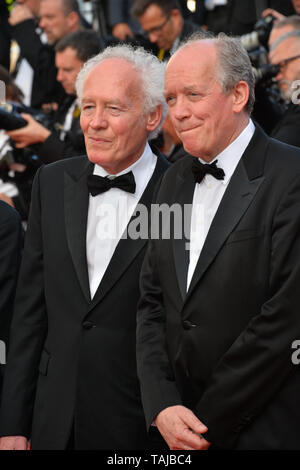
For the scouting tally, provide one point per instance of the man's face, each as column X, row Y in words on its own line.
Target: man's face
column 296, row 5
column 53, row 20
column 203, row 116
column 113, row 120
column 68, row 66
column 161, row 29
column 287, row 49
column 33, row 5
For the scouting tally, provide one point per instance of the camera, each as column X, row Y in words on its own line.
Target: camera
column 260, row 35
column 11, row 119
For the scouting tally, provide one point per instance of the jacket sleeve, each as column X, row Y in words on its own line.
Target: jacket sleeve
column 158, row 387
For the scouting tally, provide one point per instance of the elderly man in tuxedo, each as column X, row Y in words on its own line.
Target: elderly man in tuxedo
column 71, row 380
column 219, row 313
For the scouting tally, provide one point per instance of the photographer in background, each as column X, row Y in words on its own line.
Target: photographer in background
column 66, row 138
column 284, row 51
column 163, row 23
column 56, row 18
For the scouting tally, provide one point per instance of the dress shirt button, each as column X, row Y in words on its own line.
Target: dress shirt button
column 87, row 325
column 187, row 325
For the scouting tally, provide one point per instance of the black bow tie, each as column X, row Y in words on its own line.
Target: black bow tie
column 201, row 169
column 100, row 184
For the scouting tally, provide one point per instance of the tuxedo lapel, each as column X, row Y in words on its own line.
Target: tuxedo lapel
column 241, row 190
column 128, row 248
column 185, row 184
column 76, row 200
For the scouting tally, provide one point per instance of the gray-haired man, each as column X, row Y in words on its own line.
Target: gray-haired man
column 71, row 380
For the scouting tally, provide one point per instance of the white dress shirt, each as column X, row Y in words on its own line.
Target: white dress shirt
column 208, row 195
column 109, row 214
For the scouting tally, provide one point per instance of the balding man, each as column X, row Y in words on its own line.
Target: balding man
column 219, row 312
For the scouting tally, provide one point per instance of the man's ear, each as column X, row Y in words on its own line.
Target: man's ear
column 240, row 96
column 72, row 19
column 154, row 118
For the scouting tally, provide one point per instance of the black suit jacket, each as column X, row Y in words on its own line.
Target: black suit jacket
column 72, row 359
column 10, row 253
column 287, row 128
column 224, row 348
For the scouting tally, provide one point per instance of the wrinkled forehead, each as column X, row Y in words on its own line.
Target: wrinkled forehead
column 115, row 70
column 115, row 77
column 195, row 60
column 197, row 53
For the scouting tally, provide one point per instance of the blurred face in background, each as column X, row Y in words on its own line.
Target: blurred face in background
column 296, row 5
column 33, row 5
column 54, row 21
column 160, row 28
column 286, row 54
column 68, row 67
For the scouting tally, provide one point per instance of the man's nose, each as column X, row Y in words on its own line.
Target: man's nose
column 98, row 120
column 42, row 23
column 60, row 76
column 180, row 110
column 153, row 37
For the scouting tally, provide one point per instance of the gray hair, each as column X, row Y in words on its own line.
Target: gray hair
column 292, row 21
column 149, row 67
column 233, row 63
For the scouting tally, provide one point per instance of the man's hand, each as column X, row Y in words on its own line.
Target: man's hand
column 13, row 443
column 18, row 14
column 33, row 133
column 121, row 30
column 269, row 11
column 181, row 429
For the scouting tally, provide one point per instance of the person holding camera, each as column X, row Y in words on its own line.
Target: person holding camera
column 66, row 138
column 163, row 23
column 284, row 51
column 37, row 25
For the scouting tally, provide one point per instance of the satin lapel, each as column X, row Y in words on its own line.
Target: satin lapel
column 241, row 190
column 128, row 248
column 76, row 212
column 184, row 197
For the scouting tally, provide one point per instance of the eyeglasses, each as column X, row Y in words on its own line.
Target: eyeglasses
column 156, row 29
column 284, row 62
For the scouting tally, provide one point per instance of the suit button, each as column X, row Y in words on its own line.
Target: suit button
column 87, row 325
column 187, row 325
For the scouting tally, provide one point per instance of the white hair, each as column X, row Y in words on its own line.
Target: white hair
column 151, row 71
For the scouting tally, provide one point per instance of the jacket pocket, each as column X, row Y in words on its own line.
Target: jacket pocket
column 241, row 235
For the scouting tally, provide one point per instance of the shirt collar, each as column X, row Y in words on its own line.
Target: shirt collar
column 231, row 155
column 140, row 169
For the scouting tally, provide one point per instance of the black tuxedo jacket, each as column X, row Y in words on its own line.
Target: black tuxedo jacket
column 72, row 360
column 10, row 254
column 224, row 348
